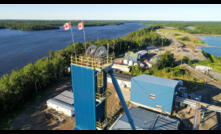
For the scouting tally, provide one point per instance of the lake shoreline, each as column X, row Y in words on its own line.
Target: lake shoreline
column 212, row 46
column 58, row 27
column 207, row 34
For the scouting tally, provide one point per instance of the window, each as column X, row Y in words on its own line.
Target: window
column 152, row 96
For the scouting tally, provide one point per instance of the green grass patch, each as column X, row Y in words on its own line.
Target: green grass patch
column 211, row 61
column 198, row 42
column 176, row 34
column 185, row 38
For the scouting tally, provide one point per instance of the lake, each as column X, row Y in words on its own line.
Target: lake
column 18, row 48
column 214, row 43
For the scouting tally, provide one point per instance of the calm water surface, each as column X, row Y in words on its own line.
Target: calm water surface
column 214, row 43
column 18, row 48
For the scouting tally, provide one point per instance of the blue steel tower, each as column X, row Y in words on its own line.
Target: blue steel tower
column 89, row 82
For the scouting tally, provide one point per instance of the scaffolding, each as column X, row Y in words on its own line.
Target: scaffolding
column 101, row 125
column 91, row 62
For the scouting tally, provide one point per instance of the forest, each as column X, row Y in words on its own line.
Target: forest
column 23, row 84
column 211, row 28
column 33, row 25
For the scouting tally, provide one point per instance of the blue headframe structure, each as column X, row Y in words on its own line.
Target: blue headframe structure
column 89, row 82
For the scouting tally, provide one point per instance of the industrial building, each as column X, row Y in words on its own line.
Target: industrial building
column 146, row 120
column 141, row 54
column 134, row 57
column 62, row 103
column 89, row 83
column 153, row 92
column 123, row 68
column 152, row 98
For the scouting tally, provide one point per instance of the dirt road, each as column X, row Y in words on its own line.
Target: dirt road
column 181, row 49
column 34, row 117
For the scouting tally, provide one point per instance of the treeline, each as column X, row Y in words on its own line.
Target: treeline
column 32, row 25
column 196, row 27
column 21, row 85
column 146, row 37
column 167, row 67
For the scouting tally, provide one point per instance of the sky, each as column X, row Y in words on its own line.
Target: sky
column 178, row 12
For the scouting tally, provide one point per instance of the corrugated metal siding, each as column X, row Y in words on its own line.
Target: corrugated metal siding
column 144, row 85
column 145, row 120
column 66, row 97
column 68, row 94
column 156, row 80
column 60, row 104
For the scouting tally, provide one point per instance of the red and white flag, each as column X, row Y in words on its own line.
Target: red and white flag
column 81, row 25
column 67, row 25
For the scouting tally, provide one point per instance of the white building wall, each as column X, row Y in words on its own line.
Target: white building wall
column 60, row 109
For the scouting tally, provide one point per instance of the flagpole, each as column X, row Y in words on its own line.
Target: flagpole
column 73, row 39
column 84, row 38
column 72, row 34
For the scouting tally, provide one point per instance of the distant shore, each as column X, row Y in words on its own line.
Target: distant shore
column 58, row 27
column 207, row 34
column 31, row 25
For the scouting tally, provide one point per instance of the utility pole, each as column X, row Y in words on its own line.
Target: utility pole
column 114, row 49
column 181, row 61
column 162, row 42
column 107, row 51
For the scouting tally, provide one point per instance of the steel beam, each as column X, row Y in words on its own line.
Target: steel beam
column 121, row 97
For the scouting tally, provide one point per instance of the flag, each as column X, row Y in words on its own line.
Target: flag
column 81, row 26
column 67, row 25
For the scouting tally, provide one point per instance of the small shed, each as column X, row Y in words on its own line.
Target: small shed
column 145, row 120
column 153, row 92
